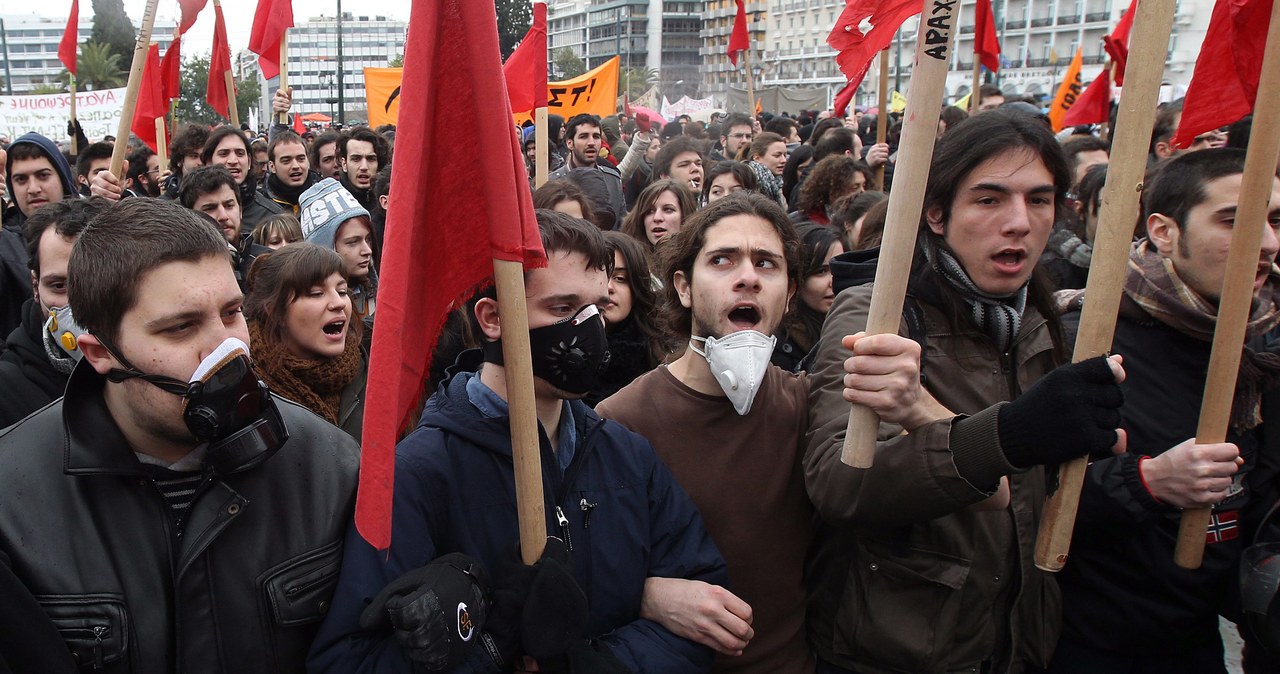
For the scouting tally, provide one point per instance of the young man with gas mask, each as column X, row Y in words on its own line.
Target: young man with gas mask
column 731, row 426
column 38, row 355
column 174, row 516
column 928, row 565
column 617, row 512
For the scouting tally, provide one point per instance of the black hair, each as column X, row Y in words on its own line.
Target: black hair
column 205, row 180
column 90, row 154
column 1179, row 184
column 68, row 218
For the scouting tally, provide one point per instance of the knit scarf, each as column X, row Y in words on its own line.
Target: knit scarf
column 770, row 185
column 1153, row 284
column 1000, row 317
column 315, row 384
column 277, row 188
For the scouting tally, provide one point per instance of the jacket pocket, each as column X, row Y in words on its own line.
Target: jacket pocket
column 94, row 626
column 900, row 611
column 299, row 590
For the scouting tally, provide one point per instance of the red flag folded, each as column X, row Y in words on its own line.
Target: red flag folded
column 986, row 45
column 270, row 22
column 526, row 68
column 190, row 9
column 299, row 126
column 863, row 29
column 219, row 63
column 1117, row 43
column 739, row 40
column 170, row 67
column 1225, row 82
column 1094, row 105
column 151, row 100
column 843, row 97
column 433, row 258
column 70, row 38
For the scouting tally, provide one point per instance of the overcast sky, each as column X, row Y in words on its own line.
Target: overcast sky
column 238, row 13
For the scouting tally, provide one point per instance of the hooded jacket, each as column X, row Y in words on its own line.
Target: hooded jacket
column 28, row 380
column 626, row 519
column 13, row 217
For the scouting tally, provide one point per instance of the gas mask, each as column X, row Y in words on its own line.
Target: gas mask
column 569, row 355
column 224, row 405
column 738, row 362
column 60, row 334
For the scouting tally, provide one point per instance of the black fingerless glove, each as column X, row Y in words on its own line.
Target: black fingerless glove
column 538, row 610
column 1073, row 411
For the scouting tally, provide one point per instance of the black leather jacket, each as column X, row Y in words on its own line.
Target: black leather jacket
column 242, row 589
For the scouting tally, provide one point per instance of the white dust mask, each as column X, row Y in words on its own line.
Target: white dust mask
column 738, row 362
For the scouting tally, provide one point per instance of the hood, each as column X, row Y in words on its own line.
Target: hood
column 50, row 150
column 854, row 268
column 325, row 206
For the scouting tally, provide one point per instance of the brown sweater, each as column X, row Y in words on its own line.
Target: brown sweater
column 745, row 476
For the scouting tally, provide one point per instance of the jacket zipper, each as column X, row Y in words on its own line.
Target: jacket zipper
column 99, row 632
column 570, row 475
column 303, row 587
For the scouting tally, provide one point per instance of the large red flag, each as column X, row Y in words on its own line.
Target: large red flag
column 1094, row 105
column 270, row 22
column 151, row 103
column 986, row 45
column 1117, row 43
column 526, row 68
column 1225, row 82
column 70, row 38
column 739, row 40
column 170, row 67
column 190, row 9
column 432, row 257
column 843, row 98
column 863, row 29
column 219, row 63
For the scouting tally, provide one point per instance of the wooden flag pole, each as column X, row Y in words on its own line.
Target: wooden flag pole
column 162, row 147
column 975, row 95
column 131, row 93
column 231, row 98
column 1116, row 218
column 284, row 71
column 1237, row 286
column 915, row 154
column 525, row 448
column 541, row 156
column 75, row 142
column 751, row 80
column 882, row 112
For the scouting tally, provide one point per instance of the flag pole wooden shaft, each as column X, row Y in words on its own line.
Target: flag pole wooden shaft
column 882, row 112
column 915, row 153
column 975, row 95
column 131, row 93
column 231, row 98
column 751, row 79
column 75, row 142
column 525, row 450
column 541, row 157
column 284, row 71
column 1237, row 286
column 1116, row 219
column 162, row 147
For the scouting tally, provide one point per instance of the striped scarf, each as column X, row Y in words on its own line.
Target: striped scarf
column 999, row 317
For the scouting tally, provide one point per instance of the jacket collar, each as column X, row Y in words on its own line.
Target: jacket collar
column 94, row 444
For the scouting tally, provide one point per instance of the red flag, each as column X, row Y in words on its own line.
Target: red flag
column 863, row 29
column 151, row 103
column 843, row 97
column 1094, row 105
column 219, row 63
column 986, row 45
column 739, row 40
column 298, row 126
column 1224, row 85
column 432, row 259
column 270, row 22
column 70, row 38
column 190, row 9
column 1117, row 43
column 170, row 67
column 526, row 68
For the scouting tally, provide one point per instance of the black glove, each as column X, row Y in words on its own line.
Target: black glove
column 584, row 657
column 1071, row 412
column 436, row 611
column 538, row 610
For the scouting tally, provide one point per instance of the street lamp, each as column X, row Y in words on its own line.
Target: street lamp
column 326, row 80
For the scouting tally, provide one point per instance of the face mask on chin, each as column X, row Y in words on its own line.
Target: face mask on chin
column 738, row 362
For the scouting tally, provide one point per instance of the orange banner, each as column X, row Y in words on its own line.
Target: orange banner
column 595, row 91
column 382, row 91
column 1068, row 91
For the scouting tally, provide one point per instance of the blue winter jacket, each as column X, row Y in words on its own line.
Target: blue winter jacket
column 627, row 520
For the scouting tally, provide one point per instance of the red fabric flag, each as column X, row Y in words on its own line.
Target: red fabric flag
column 70, row 38
column 1094, row 105
column 433, row 258
column 270, row 22
column 170, row 67
column 190, row 9
column 843, row 97
column 1224, row 85
column 526, row 68
column 864, row 28
column 739, row 40
column 219, row 63
column 1117, row 43
column 299, row 126
column 986, row 45
column 151, row 99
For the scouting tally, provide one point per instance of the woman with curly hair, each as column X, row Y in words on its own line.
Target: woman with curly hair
column 834, row 177
column 635, row 342
column 658, row 212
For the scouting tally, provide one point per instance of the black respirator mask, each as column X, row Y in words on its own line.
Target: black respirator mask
column 569, row 355
column 224, row 405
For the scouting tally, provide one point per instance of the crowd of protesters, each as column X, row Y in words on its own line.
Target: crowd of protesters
column 183, row 379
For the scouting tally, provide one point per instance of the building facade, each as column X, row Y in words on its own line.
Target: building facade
column 30, row 48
